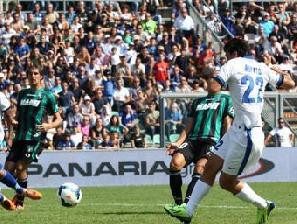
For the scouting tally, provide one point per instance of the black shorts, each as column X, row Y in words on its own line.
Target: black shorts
column 23, row 150
column 194, row 150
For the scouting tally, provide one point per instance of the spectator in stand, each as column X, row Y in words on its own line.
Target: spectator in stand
column 22, row 50
column 58, row 137
column 283, row 135
column 17, row 23
column 138, row 70
column 173, row 120
column 107, row 143
column 292, row 29
column 123, row 70
column 128, row 117
column 49, row 79
column 85, row 126
column 140, row 105
column 57, row 88
column 88, row 109
column 116, row 142
column 97, row 132
column 73, row 119
column 37, row 14
column 66, row 97
column 199, row 85
column 116, row 126
column 177, row 8
column 184, row 87
column 106, row 114
column 7, row 32
column 51, row 14
column 283, row 16
column 184, row 24
column 65, row 142
column 137, row 138
column 161, row 70
column 150, row 90
column 152, row 120
column 174, row 53
column 149, row 25
column 183, row 60
column 267, row 24
column 121, row 95
column 85, row 143
column 175, row 76
column 76, row 89
column 191, row 74
column 275, row 49
column 99, row 101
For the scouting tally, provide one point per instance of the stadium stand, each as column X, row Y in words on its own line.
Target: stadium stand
column 100, row 57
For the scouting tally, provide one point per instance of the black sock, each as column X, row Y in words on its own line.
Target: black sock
column 23, row 183
column 195, row 178
column 175, row 185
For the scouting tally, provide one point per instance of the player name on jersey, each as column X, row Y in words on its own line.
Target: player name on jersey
column 207, row 106
column 30, row 102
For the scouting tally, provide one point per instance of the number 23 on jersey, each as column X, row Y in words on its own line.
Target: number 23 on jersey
column 254, row 84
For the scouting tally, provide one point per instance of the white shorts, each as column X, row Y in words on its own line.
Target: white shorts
column 240, row 148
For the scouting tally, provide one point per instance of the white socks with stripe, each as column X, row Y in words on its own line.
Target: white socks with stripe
column 199, row 192
column 247, row 194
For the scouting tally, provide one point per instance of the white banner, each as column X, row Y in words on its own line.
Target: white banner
column 140, row 167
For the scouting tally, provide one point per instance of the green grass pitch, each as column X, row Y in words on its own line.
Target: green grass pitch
column 144, row 205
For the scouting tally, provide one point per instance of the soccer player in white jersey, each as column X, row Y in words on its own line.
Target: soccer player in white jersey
column 5, row 177
column 242, row 145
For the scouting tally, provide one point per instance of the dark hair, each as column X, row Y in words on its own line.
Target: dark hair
column 237, row 45
column 111, row 120
column 35, row 67
column 279, row 119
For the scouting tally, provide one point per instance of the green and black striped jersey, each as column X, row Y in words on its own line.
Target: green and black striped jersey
column 32, row 106
column 209, row 113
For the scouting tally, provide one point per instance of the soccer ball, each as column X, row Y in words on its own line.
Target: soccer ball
column 69, row 194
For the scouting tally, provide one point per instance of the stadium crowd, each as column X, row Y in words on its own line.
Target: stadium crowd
column 107, row 65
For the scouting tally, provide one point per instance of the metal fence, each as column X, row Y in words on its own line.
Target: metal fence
column 276, row 104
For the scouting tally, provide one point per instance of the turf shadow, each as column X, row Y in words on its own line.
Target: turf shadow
column 132, row 213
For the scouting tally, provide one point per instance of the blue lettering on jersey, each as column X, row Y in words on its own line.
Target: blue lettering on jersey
column 256, row 84
column 251, row 69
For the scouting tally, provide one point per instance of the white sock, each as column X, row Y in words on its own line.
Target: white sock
column 247, row 194
column 200, row 190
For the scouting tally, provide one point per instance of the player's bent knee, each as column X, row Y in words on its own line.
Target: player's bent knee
column 177, row 163
column 227, row 184
column 199, row 169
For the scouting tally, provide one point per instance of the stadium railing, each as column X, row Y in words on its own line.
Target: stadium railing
column 207, row 35
column 276, row 104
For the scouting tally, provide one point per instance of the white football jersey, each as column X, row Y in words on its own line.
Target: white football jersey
column 246, row 79
column 4, row 105
column 282, row 136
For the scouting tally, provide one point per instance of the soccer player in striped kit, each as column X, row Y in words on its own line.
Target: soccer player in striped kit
column 208, row 119
column 32, row 105
column 5, row 177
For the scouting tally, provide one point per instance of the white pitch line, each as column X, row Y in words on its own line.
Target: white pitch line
column 202, row 206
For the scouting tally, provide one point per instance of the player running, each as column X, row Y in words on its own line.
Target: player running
column 32, row 105
column 208, row 119
column 242, row 145
column 5, row 177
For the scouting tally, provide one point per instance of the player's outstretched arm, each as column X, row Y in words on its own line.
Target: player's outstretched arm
column 288, row 82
